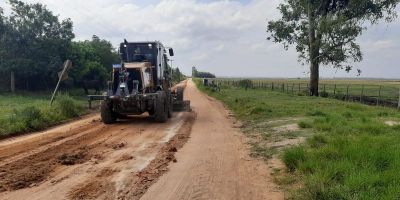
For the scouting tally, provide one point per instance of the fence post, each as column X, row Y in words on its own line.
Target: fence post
column 362, row 93
column 379, row 95
column 398, row 103
column 272, row 86
column 299, row 87
column 324, row 88
column 347, row 92
column 283, row 87
column 287, row 88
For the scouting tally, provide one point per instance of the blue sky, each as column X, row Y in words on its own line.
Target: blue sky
column 225, row 37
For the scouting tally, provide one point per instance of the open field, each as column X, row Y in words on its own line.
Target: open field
column 370, row 91
column 331, row 149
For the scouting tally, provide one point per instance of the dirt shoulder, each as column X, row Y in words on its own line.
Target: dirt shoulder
column 215, row 163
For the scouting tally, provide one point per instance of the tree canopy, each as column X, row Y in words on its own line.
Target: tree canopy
column 34, row 43
column 325, row 31
column 92, row 59
column 199, row 74
column 177, row 75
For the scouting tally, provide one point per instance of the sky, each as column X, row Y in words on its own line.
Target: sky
column 225, row 37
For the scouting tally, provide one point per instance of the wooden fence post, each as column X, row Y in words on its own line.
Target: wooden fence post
column 347, row 92
column 299, row 87
column 398, row 103
column 379, row 95
column 287, row 87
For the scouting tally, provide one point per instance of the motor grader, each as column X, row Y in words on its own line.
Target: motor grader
column 141, row 83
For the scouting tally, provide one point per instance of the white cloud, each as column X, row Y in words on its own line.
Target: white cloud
column 222, row 36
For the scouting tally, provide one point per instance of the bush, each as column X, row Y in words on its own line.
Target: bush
column 324, row 94
column 39, row 116
column 67, row 106
column 317, row 141
column 304, row 124
column 29, row 118
column 246, row 83
column 339, row 96
column 293, row 157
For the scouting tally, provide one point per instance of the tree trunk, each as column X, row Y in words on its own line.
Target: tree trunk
column 313, row 53
column 12, row 82
column 314, row 79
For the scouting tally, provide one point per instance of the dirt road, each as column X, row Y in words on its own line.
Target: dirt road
column 136, row 159
column 215, row 163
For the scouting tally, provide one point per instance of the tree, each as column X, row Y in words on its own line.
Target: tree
column 325, row 31
column 35, row 44
column 92, row 59
column 198, row 74
column 177, row 75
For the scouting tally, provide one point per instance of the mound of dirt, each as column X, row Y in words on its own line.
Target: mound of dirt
column 72, row 159
column 124, row 158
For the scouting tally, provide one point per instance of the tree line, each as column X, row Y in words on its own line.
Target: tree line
column 200, row 74
column 34, row 43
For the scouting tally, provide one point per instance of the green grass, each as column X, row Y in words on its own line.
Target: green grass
column 24, row 112
column 350, row 153
column 389, row 89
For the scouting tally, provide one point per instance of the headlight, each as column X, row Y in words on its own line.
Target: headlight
column 122, row 85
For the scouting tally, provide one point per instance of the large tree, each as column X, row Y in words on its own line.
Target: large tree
column 35, row 44
column 92, row 59
column 325, row 31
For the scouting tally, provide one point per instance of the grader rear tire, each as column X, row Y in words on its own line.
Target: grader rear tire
column 161, row 111
column 107, row 114
column 170, row 105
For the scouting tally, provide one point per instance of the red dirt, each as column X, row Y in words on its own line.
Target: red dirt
column 137, row 158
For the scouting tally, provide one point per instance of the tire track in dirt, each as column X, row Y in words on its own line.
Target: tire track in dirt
column 102, row 187
column 32, row 169
column 18, row 145
column 90, row 156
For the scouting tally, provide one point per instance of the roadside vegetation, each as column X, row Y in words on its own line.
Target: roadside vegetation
column 26, row 112
column 366, row 91
column 349, row 151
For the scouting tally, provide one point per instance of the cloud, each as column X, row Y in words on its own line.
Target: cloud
column 225, row 37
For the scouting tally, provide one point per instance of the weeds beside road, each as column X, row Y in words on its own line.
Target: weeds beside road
column 351, row 151
column 31, row 112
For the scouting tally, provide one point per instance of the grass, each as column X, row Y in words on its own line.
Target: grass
column 24, row 112
column 337, row 88
column 349, row 153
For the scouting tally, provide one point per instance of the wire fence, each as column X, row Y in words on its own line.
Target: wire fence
column 379, row 95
